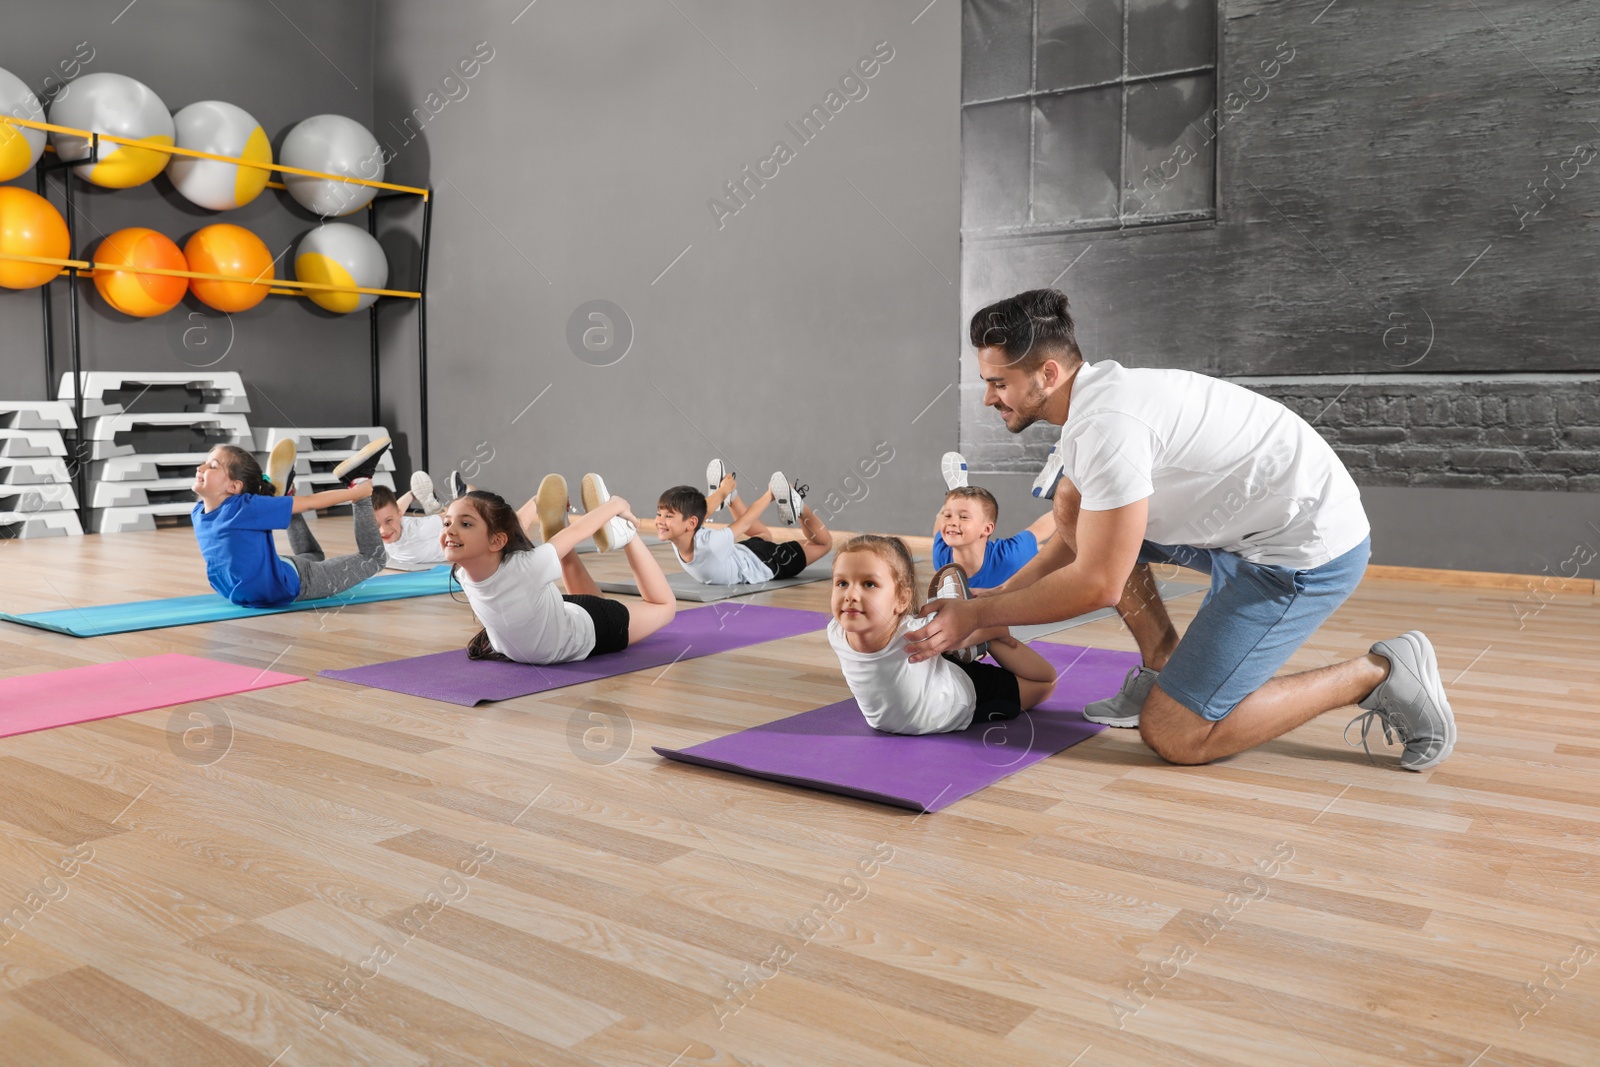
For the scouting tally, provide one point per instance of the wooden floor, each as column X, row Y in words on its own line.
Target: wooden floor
column 323, row 874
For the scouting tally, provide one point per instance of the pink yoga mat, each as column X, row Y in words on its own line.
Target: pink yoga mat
column 83, row 694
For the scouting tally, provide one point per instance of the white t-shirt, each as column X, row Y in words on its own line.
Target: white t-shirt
column 901, row 697
column 1223, row 467
column 721, row 560
column 520, row 606
column 418, row 547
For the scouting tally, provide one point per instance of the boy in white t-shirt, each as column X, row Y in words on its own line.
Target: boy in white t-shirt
column 719, row 556
column 411, row 542
column 874, row 596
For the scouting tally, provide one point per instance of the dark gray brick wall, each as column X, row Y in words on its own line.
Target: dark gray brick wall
column 1466, row 435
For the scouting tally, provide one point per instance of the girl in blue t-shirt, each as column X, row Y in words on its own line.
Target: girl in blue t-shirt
column 239, row 508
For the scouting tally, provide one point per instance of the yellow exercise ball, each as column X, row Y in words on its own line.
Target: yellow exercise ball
column 123, row 107
column 20, row 147
column 222, row 129
column 337, row 253
column 129, row 291
column 223, row 248
column 29, row 226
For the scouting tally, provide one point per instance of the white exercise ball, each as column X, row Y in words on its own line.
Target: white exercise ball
column 20, row 147
column 337, row 253
column 123, row 107
column 331, row 144
column 222, row 129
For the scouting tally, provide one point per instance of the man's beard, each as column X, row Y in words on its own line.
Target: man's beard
column 1035, row 400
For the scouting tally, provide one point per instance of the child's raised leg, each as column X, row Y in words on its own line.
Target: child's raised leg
column 321, row 577
column 1036, row 678
column 301, row 541
column 576, row 577
column 819, row 541
column 659, row 605
column 753, row 526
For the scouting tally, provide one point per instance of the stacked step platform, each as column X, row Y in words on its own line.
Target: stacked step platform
column 144, row 433
column 36, row 495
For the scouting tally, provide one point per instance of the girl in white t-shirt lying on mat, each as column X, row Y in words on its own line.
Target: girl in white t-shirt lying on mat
column 874, row 598
column 511, row 585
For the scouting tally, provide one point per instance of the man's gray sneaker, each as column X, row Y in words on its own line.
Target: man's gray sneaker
column 1410, row 703
column 1123, row 709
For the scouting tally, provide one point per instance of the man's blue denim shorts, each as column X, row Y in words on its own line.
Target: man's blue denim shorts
column 1252, row 620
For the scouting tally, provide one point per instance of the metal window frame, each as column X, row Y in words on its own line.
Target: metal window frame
column 1033, row 227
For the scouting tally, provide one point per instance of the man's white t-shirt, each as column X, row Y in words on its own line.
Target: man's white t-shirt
column 418, row 546
column 1223, row 467
column 520, row 606
column 721, row 560
column 901, row 697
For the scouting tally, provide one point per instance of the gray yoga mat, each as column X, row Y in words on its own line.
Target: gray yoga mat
column 1168, row 591
column 686, row 588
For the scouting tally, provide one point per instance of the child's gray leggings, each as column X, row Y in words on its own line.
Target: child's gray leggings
column 321, row 577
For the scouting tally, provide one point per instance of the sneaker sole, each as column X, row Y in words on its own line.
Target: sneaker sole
column 279, row 464
column 954, row 469
column 422, row 492
column 551, row 503
column 785, row 501
column 1428, row 661
column 1113, row 720
column 593, row 491
column 715, row 472
column 355, row 461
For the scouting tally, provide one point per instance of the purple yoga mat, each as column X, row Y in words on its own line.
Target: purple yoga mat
column 834, row 750
column 455, row 679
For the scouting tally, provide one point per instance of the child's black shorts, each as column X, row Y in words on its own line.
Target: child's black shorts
column 999, row 696
column 610, row 621
column 784, row 559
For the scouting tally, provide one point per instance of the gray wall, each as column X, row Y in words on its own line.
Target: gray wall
column 302, row 365
column 1354, row 195
column 577, row 165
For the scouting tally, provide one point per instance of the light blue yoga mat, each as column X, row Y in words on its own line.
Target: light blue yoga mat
column 103, row 619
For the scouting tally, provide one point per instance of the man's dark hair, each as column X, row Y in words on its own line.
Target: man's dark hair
column 1029, row 328
column 687, row 501
column 383, row 497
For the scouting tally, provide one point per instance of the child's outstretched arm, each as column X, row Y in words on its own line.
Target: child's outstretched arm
column 751, row 516
column 1044, row 527
column 588, row 524
column 728, row 487
column 1036, row 678
column 332, row 498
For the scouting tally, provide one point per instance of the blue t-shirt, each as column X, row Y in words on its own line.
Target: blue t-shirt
column 242, row 563
column 1002, row 557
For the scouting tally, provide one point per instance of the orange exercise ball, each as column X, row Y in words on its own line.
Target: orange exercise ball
column 133, row 293
column 223, row 248
column 29, row 226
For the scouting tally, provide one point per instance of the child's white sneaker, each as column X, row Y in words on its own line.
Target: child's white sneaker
column 789, row 496
column 617, row 531
column 1044, row 486
column 954, row 469
column 551, row 504
column 422, row 493
column 716, row 470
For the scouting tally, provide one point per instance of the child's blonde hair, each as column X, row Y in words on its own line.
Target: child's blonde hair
column 892, row 551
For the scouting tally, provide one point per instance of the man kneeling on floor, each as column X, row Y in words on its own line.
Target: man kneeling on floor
column 1170, row 466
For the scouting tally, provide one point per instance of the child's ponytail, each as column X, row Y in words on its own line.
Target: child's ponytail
column 243, row 468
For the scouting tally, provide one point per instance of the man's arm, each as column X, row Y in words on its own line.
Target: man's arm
column 1108, row 547
column 1058, row 551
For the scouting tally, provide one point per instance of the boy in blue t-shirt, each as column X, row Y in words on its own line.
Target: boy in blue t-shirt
column 961, row 535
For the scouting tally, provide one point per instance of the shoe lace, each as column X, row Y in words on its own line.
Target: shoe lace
column 801, row 491
column 1393, row 732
